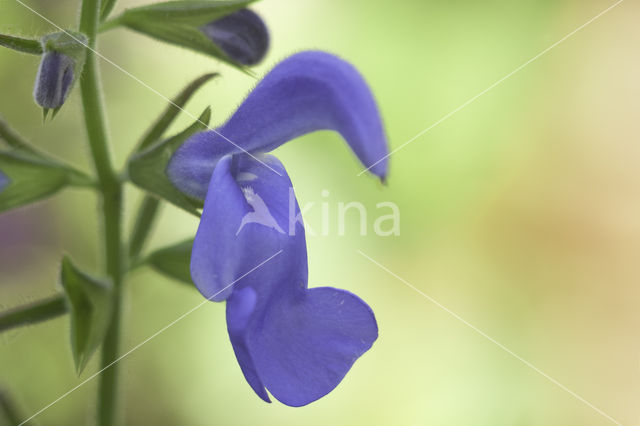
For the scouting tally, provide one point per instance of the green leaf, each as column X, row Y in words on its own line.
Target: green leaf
column 20, row 44
column 173, row 261
column 24, row 150
column 13, row 139
column 147, row 169
column 173, row 109
column 90, row 306
column 106, row 7
column 179, row 22
column 191, row 12
column 145, row 220
column 29, row 179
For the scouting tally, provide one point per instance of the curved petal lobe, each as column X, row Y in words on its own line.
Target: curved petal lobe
column 306, row 92
column 298, row 344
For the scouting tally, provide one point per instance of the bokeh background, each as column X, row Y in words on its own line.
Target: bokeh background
column 520, row 213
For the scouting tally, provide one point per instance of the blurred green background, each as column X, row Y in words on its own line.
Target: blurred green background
column 520, row 213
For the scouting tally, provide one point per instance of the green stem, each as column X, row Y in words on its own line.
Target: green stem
column 111, row 191
column 32, row 313
column 144, row 224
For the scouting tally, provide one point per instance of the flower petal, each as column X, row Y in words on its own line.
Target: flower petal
column 306, row 92
column 298, row 343
column 245, row 221
column 242, row 35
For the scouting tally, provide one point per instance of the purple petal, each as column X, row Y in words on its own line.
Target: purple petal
column 54, row 79
column 306, row 92
column 242, row 36
column 4, row 181
column 245, row 221
column 297, row 343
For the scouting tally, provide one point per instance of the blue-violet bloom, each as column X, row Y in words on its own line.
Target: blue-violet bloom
column 250, row 249
column 242, row 36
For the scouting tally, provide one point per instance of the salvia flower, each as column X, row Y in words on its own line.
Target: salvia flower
column 242, row 36
column 250, row 248
column 60, row 66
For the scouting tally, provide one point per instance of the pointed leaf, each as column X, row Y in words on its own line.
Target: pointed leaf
column 147, row 169
column 13, row 139
column 106, row 7
column 173, row 261
column 173, row 109
column 90, row 306
column 23, row 149
column 183, row 35
column 20, row 44
column 192, row 12
column 28, row 179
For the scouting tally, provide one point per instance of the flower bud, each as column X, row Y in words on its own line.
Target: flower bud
column 241, row 35
column 54, row 79
column 60, row 66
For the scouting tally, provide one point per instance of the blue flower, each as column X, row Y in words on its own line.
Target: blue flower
column 4, row 181
column 53, row 82
column 241, row 35
column 250, row 248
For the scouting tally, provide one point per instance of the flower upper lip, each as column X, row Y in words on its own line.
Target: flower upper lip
column 306, row 92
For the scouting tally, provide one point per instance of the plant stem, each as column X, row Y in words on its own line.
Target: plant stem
column 111, row 191
column 33, row 313
column 144, row 223
column 20, row 44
